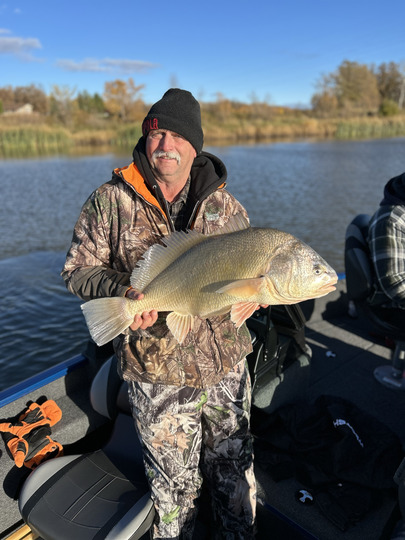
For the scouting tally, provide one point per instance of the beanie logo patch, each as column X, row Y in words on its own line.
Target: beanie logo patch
column 149, row 124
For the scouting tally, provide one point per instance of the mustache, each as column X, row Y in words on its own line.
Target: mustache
column 169, row 155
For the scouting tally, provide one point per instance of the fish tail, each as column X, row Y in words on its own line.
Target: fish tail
column 106, row 318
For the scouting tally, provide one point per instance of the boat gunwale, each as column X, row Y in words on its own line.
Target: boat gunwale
column 8, row 395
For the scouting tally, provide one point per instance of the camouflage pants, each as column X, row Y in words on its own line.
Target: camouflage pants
column 189, row 434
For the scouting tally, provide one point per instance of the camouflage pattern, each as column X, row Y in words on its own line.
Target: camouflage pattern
column 189, row 434
column 118, row 223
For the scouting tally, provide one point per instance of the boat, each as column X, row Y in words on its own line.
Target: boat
column 317, row 350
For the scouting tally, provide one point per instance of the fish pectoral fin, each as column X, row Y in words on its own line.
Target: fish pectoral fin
column 180, row 325
column 243, row 288
column 242, row 311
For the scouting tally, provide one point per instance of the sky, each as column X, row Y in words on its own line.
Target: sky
column 265, row 50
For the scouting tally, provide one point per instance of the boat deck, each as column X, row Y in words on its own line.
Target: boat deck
column 345, row 352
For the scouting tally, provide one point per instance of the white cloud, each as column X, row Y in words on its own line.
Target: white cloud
column 127, row 66
column 106, row 65
column 18, row 46
column 89, row 64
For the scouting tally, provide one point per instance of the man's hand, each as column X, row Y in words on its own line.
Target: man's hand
column 148, row 318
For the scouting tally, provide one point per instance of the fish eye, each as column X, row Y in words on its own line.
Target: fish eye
column 318, row 270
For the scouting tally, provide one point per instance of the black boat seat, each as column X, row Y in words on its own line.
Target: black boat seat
column 362, row 292
column 99, row 495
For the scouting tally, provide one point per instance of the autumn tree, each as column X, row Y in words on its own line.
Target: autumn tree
column 223, row 106
column 402, row 92
column 7, row 97
column 61, row 103
column 325, row 102
column 356, row 87
column 351, row 89
column 33, row 95
column 123, row 100
column 389, row 80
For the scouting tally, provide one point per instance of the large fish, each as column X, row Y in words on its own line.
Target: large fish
column 196, row 275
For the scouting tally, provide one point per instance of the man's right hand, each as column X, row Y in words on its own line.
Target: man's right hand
column 147, row 319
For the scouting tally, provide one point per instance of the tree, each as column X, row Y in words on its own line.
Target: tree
column 61, row 103
column 352, row 88
column 389, row 81
column 122, row 99
column 388, row 107
column 90, row 104
column 7, row 97
column 356, row 87
column 324, row 103
column 223, row 106
column 33, row 95
column 402, row 91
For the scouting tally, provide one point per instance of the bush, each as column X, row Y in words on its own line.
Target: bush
column 388, row 108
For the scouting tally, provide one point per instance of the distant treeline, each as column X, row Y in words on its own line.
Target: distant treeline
column 354, row 101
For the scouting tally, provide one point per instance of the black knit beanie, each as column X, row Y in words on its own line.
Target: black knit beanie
column 177, row 111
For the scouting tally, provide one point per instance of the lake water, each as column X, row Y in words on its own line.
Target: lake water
column 310, row 189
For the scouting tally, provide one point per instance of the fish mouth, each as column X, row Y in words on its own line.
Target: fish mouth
column 329, row 287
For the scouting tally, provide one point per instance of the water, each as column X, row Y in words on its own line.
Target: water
column 311, row 189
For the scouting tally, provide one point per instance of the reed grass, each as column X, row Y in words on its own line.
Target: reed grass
column 370, row 128
column 93, row 137
column 33, row 140
column 287, row 128
column 127, row 135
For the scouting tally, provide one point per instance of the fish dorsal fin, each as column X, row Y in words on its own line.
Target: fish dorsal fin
column 235, row 223
column 157, row 258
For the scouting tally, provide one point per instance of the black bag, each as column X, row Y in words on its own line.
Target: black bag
column 279, row 363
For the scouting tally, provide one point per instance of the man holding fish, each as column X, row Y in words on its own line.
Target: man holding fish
column 175, row 304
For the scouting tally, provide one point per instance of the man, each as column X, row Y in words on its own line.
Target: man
column 387, row 247
column 191, row 402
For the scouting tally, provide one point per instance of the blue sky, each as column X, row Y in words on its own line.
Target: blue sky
column 265, row 50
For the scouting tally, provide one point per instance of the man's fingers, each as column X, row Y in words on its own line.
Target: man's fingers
column 145, row 320
column 137, row 323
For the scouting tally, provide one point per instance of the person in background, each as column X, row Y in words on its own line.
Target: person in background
column 191, row 402
column 386, row 239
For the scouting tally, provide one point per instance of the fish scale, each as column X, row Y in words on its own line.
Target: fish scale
column 194, row 275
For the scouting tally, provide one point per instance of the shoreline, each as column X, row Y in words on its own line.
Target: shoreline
column 34, row 137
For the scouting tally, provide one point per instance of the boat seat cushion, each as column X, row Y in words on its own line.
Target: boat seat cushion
column 109, row 393
column 85, row 497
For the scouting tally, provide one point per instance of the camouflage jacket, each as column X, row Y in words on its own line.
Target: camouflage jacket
column 117, row 224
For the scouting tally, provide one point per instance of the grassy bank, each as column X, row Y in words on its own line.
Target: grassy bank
column 371, row 128
column 33, row 140
column 39, row 139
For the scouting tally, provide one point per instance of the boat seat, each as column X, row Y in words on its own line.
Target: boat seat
column 366, row 298
column 99, row 495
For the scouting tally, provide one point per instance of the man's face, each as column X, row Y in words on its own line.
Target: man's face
column 170, row 155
